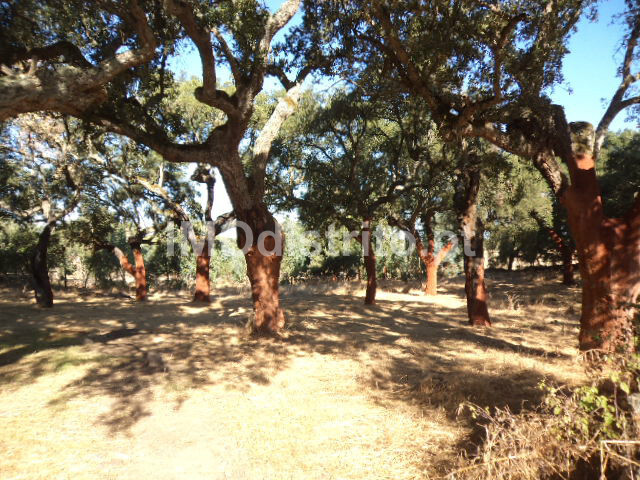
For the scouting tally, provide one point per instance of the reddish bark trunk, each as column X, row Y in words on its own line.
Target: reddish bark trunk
column 263, row 269
column 474, row 284
column 205, row 175
column 473, row 244
column 608, row 250
column 432, row 261
column 40, row 270
column 264, row 275
column 369, row 263
column 140, row 274
column 203, row 284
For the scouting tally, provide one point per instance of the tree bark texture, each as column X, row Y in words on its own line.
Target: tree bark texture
column 138, row 271
column 263, row 268
column 608, row 251
column 429, row 258
column 203, row 284
column 202, row 293
column 473, row 244
column 474, row 283
column 140, row 274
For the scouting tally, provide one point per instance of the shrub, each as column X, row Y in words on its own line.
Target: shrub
column 589, row 432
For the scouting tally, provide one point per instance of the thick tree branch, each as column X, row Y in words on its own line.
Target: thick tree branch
column 201, row 37
column 274, row 24
column 403, row 58
column 278, row 20
column 469, row 111
column 158, row 141
column 262, row 148
column 70, row 53
column 162, row 193
column 75, row 87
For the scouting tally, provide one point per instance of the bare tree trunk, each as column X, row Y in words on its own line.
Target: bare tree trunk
column 608, row 250
column 567, row 267
column 205, row 175
column 474, row 284
column 203, row 284
column 429, row 257
column 473, row 244
column 263, row 269
column 140, row 273
column 40, row 269
column 432, row 265
column 64, row 267
column 369, row 263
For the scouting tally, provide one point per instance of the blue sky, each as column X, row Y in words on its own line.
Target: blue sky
column 590, row 67
column 589, row 70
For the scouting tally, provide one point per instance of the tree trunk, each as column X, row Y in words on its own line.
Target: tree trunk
column 474, row 284
column 432, row 264
column 40, row 270
column 608, row 251
column 369, row 263
column 429, row 258
column 204, row 174
column 567, row 267
column 263, row 268
column 203, row 284
column 472, row 240
column 140, row 273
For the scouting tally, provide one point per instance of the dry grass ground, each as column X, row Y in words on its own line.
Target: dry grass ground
column 103, row 388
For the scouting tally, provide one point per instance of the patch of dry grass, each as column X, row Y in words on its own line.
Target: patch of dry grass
column 352, row 392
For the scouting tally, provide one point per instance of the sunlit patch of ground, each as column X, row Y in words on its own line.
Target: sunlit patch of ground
column 104, row 388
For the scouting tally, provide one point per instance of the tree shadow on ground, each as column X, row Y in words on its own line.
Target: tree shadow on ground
column 410, row 350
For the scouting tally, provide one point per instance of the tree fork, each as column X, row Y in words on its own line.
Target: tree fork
column 430, row 258
column 140, row 273
column 137, row 272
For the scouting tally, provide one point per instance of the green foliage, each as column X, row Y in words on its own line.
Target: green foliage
column 620, row 167
column 16, row 244
column 569, row 428
column 511, row 190
column 102, row 264
column 601, row 410
column 453, row 44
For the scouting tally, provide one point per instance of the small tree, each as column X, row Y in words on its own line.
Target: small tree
column 44, row 178
column 350, row 166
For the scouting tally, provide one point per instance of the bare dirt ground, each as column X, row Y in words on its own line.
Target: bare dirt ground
column 104, row 388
